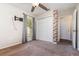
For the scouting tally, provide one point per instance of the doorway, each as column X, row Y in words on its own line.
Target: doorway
column 66, row 29
column 28, row 29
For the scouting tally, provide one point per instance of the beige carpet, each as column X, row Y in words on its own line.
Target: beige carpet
column 40, row 48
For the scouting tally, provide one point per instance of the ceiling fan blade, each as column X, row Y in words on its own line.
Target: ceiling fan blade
column 32, row 8
column 43, row 7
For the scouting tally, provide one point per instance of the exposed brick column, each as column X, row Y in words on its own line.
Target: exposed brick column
column 55, row 25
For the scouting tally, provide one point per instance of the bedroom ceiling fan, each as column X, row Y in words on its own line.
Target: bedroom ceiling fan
column 34, row 5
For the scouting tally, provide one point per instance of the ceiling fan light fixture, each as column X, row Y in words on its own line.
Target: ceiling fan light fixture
column 35, row 4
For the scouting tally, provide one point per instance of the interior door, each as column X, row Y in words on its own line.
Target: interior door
column 74, row 28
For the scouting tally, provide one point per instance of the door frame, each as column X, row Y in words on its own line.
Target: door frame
column 24, row 33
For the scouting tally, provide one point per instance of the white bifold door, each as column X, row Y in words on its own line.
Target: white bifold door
column 45, row 29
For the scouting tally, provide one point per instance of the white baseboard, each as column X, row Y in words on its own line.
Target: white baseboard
column 13, row 44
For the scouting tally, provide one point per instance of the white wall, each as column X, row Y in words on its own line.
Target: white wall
column 65, row 27
column 10, row 33
column 44, row 28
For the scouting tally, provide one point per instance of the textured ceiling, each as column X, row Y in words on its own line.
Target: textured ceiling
column 38, row 11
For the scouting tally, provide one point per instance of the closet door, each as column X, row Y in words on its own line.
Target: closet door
column 45, row 27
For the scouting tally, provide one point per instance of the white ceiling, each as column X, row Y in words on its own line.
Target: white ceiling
column 60, row 6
